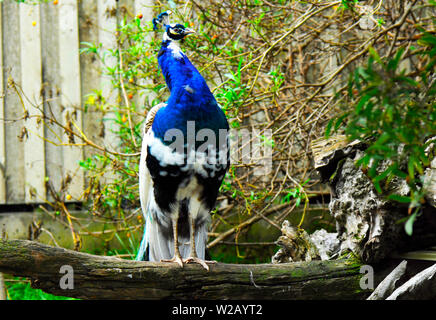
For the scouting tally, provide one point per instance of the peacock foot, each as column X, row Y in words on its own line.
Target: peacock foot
column 176, row 259
column 201, row 262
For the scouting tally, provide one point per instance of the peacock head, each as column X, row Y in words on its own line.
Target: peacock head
column 176, row 31
column 173, row 31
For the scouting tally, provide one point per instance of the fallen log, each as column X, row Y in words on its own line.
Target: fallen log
column 101, row 277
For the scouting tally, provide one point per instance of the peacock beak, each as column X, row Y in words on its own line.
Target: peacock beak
column 189, row 31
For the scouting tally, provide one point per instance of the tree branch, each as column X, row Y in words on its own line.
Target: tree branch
column 421, row 286
column 100, row 277
column 387, row 286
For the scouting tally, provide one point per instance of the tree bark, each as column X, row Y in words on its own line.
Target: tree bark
column 101, row 277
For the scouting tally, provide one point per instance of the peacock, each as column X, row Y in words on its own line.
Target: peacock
column 184, row 158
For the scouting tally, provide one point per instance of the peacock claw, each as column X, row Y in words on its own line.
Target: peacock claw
column 176, row 259
column 201, row 262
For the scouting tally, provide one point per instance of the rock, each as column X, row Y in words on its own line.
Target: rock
column 367, row 20
column 297, row 245
column 367, row 223
column 430, row 180
column 326, row 243
column 328, row 152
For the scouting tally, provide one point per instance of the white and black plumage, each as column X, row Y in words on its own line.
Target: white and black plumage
column 179, row 179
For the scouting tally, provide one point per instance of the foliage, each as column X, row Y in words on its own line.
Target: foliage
column 21, row 289
column 394, row 111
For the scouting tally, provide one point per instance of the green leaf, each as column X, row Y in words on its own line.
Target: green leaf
column 377, row 187
column 408, row 226
column 362, row 102
column 364, row 161
column 329, row 128
column 297, row 202
column 375, row 55
column 373, row 169
column 398, row 198
column 418, row 167
column 339, row 121
column 399, row 173
column 411, row 167
column 384, row 174
column 305, row 182
column 407, row 80
column 393, row 63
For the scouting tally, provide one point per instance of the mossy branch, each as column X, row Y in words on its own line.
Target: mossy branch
column 101, row 277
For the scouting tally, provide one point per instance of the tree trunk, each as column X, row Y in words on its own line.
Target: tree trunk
column 100, row 277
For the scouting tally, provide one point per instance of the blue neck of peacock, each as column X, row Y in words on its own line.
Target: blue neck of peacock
column 190, row 98
column 179, row 72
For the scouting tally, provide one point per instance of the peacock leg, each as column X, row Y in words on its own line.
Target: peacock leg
column 193, row 257
column 177, row 257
